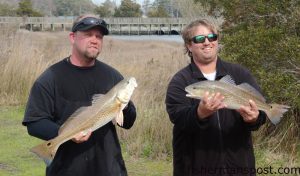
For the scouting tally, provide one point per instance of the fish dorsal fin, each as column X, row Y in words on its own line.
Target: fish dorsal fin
column 252, row 90
column 82, row 113
column 78, row 111
column 227, row 79
column 76, row 115
column 97, row 97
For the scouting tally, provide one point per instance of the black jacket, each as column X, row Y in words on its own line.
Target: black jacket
column 55, row 95
column 219, row 145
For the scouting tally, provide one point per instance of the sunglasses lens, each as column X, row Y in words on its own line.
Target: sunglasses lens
column 199, row 39
column 212, row 37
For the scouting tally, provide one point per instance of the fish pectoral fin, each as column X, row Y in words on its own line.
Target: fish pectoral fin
column 120, row 116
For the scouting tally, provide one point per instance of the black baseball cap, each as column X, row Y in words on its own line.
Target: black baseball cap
column 90, row 22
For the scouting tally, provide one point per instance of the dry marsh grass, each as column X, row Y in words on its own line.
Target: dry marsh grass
column 25, row 55
column 152, row 63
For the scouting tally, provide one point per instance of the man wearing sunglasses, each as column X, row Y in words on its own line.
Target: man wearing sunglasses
column 65, row 87
column 209, row 139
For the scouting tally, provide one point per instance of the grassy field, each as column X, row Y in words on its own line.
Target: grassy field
column 152, row 63
column 16, row 160
column 147, row 145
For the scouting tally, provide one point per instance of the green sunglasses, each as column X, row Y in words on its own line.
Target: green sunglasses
column 201, row 38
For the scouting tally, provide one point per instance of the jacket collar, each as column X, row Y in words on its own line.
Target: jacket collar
column 197, row 74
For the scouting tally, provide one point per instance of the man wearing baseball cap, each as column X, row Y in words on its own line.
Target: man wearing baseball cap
column 84, row 23
column 68, row 85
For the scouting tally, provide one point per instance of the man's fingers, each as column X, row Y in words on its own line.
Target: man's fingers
column 249, row 112
column 214, row 101
column 253, row 105
column 86, row 137
column 205, row 98
column 82, row 136
column 210, row 103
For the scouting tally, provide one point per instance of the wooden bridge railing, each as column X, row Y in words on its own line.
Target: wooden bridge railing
column 69, row 20
column 116, row 25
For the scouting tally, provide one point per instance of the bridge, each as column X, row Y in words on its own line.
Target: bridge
column 117, row 26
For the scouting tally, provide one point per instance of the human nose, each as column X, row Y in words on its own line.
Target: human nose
column 95, row 39
column 206, row 41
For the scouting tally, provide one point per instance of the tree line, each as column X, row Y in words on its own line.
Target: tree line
column 264, row 36
column 127, row 8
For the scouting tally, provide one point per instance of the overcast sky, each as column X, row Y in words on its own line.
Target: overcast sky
column 98, row 2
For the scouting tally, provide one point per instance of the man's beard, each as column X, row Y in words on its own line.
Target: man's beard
column 90, row 56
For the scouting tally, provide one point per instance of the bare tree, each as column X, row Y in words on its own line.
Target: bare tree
column 193, row 10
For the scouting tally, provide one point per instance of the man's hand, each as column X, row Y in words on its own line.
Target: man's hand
column 249, row 113
column 210, row 104
column 81, row 137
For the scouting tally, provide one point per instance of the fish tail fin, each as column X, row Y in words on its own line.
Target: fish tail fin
column 276, row 112
column 44, row 151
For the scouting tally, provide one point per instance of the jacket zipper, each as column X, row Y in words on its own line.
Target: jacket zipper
column 221, row 141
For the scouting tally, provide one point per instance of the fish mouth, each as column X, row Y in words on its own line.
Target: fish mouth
column 189, row 95
column 132, row 82
column 192, row 96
